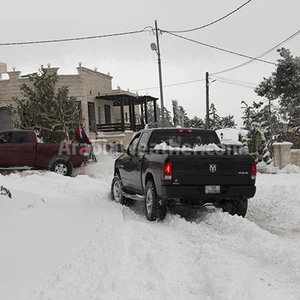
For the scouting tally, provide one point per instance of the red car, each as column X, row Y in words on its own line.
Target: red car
column 20, row 149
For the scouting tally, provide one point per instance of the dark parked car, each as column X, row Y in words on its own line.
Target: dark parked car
column 168, row 167
column 20, row 148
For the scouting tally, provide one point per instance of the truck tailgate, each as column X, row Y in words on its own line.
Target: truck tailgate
column 212, row 169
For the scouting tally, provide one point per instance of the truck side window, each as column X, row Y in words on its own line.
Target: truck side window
column 133, row 144
column 6, row 137
column 142, row 146
column 20, row 137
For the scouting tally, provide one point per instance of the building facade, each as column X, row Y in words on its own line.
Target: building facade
column 87, row 85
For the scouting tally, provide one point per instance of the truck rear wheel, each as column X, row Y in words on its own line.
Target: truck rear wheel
column 155, row 208
column 62, row 166
column 236, row 207
column 241, row 207
column 116, row 192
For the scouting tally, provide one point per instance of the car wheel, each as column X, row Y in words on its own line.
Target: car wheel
column 155, row 208
column 62, row 167
column 116, row 192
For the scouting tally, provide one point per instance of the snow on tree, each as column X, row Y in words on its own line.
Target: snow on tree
column 284, row 85
column 176, row 113
column 256, row 121
column 47, row 108
column 197, row 123
column 227, row 122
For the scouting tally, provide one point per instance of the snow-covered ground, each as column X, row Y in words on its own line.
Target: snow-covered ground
column 62, row 238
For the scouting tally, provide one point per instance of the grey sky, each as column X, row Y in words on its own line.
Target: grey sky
column 252, row 30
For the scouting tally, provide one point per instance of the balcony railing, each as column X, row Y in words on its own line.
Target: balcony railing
column 118, row 127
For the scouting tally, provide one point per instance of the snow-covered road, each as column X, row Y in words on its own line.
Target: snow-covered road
column 62, row 238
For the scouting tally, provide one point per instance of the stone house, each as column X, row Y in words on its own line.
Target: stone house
column 88, row 86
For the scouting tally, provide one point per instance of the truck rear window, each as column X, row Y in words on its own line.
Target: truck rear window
column 184, row 139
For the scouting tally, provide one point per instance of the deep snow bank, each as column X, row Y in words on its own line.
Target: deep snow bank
column 62, row 238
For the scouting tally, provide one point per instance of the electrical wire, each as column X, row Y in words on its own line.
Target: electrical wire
column 259, row 56
column 236, row 81
column 220, row 49
column 209, row 24
column 76, row 39
column 168, row 85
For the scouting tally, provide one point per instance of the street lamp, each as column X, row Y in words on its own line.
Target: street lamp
column 155, row 47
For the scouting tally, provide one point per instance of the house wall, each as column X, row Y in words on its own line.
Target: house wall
column 3, row 69
column 84, row 86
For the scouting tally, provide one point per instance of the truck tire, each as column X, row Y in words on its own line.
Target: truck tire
column 116, row 192
column 62, row 166
column 155, row 208
column 241, row 207
column 236, row 207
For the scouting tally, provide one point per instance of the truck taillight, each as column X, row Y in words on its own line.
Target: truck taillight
column 167, row 171
column 184, row 130
column 253, row 171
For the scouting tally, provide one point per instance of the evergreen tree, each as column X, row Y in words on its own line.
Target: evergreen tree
column 284, row 85
column 256, row 122
column 176, row 113
column 47, row 108
column 197, row 123
column 184, row 119
column 227, row 122
column 151, row 119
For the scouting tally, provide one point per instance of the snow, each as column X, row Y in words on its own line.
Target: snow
column 231, row 133
column 196, row 148
column 63, row 238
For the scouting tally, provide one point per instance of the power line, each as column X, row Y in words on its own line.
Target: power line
column 259, row 56
column 75, row 39
column 221, row 49
column 168, row 85
column 209, row 24
column 236, row 81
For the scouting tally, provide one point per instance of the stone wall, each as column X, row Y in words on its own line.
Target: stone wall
column 295, row 157
column 283, row 155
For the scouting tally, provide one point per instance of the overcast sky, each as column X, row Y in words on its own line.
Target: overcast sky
column 254, row 29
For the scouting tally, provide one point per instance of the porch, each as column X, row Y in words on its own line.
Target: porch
column 136, row 121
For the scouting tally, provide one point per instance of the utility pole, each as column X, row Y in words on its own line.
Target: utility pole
column 160, row 78
column 207, row 99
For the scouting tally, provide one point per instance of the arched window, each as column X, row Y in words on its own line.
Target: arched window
column 5, row 119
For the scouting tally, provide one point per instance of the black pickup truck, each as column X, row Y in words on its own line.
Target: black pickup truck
column 177, row 166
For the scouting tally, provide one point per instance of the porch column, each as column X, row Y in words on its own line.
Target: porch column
column 142, row 113
column 122, row 115
column 155, row 112
column 146, row 112
column 130, row 113
column 133, row 116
